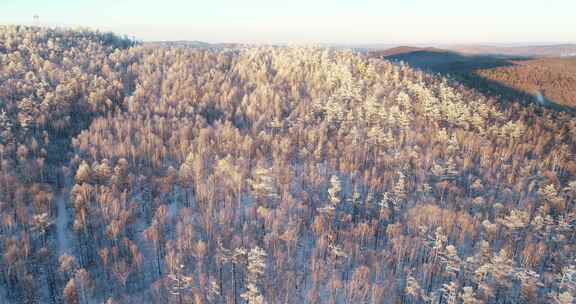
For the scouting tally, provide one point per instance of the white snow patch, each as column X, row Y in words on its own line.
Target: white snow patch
column 64, row 240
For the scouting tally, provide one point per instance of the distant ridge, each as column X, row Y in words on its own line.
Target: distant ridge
column 192, row 44
column 556, row 50
column 408, row 49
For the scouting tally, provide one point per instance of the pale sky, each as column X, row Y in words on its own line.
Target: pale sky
column 311, row 21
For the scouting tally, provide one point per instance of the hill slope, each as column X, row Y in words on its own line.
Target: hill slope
column 553, row 78
column 519, row 78
column 277, row 175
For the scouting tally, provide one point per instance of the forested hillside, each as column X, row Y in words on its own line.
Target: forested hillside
column 52, row 83
column 548, row 81
column 553, row 79
column 135, row 174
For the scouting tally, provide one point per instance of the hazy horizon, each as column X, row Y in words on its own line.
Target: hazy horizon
column 363, row 22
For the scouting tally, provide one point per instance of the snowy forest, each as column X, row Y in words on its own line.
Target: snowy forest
column 152, row 174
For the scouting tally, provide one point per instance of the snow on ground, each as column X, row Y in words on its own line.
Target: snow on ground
column 63, row 235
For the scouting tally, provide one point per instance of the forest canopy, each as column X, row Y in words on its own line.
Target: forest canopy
column 132, row 174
